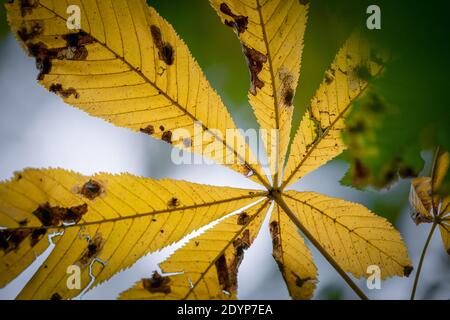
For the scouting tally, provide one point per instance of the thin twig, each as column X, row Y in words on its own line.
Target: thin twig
column 419, row 268
column 279, row 200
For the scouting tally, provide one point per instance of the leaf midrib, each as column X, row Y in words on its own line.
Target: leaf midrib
column 327, row 131
column 174, row 102
column 275, row 94
column 225, row 248
column 342, row 225
column 142, row 215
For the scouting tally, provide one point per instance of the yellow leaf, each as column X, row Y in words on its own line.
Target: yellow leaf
column 293, row 256
column 351, row 234
column 114, row 218
column 271, row 34
column 128, row 66
column 318, row 139
column 444, row 228
column 426, row 202
column 440, row 169
column 207, row 266
column 445, row 206
column 421, row 201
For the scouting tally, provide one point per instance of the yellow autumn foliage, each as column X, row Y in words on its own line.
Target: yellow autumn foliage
column 128, row 66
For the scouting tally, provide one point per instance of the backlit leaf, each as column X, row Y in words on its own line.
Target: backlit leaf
column 420, row 200
column 427, row 204
column 206, row 267
column 355, row 237
column 293, row 256
column 318, row 139
column 271, row 35
column 117, row 219
column 128, row 66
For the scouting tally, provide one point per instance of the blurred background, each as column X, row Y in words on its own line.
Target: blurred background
column 392, row 133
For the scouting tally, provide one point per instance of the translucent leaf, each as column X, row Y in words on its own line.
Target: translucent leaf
column 128, row 66
column 114, row 218
column 318, row 139
column 206, row 267
column 271, row 34
column 351, row 234
column 293, row 256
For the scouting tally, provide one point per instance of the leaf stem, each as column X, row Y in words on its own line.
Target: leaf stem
column 419, row 268
column 280, row 201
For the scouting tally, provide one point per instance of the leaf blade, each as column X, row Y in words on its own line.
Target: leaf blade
column 136, row 74
column 207, row 266
column 352, row 235
column 271, row 34
column 130, row 216
column 292, row 256
column 318, row 139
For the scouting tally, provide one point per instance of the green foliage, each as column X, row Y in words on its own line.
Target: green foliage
column 415, row 109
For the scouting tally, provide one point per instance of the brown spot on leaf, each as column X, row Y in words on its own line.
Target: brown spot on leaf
column 11, row 239
column 27, row 6
column 407, row 270
column 165, row 49
column 240, row 245
column 239, row 23
column 227, row 275
column 54, row 216
column 92, row 189
column 35, row 30
column 243, row 218
column 173, row 203
column 64, row 93
column 73, row 53
column 37, row 235
column 75, row 50
column 56, row 296
column 255, row 62
column 94, row 247
column 243, row 242
column 167, row 136
column 23, row 222
column 329, row 76
column 222, row 273
column 157, row 284
column 287, row 87
column 43, row 58
column 276, row 240
column 148, row 130
column 288, row 97
column 299, row 282
column 78, row 39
